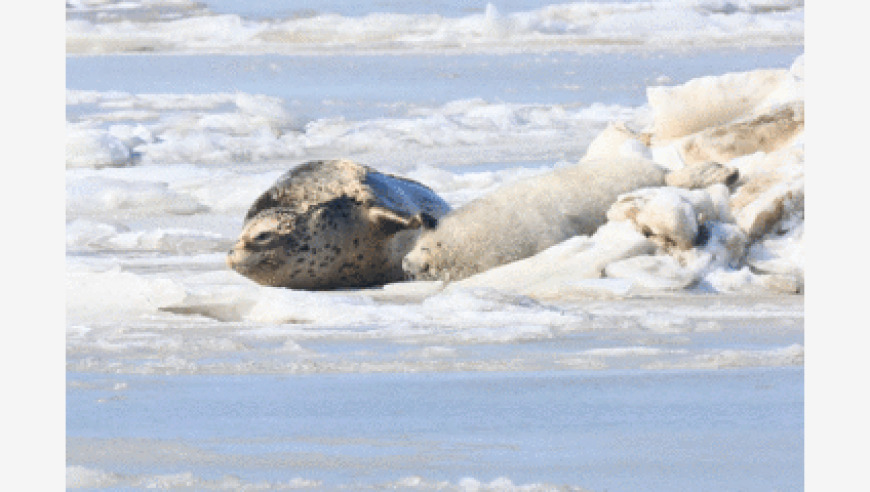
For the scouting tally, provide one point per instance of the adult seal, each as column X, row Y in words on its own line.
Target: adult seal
column 333, row 224
column 524, row 218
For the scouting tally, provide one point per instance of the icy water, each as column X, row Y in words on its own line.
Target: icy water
column 611, row 430
column 184, row 375
column 348, row 83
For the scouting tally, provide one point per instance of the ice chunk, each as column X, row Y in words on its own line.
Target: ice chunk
column 781, row 258
column 747, row 282
column 653, row 273
column 725, row 243
column 790, row 91
column 765, row 201
column 709, row 101
column 95, row 148
column 97, row 196
column 668, row 156
column 720, row 195
column 669, row 216
column 765, row 132
column 617, row 140
column 78, row 477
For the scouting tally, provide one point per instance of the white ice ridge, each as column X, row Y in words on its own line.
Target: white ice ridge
column 84, row 477
column 119, row 129
column 468, row 484
column 81, row 477
column 116, row 129
column 792, row 355
column 591, row 25
column 743, row 236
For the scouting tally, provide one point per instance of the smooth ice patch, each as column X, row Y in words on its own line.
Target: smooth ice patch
column 98, row 295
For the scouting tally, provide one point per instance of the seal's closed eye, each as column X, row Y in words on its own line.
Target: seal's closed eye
column 264, row 236
column 427, row 221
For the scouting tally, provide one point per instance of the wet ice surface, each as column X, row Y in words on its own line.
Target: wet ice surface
column 458, row 392
column 183, row 374
column 615, row 430
column 288, row 332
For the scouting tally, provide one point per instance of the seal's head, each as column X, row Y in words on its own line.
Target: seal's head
column 424, row 261
column 267, row 241
column 443, row 250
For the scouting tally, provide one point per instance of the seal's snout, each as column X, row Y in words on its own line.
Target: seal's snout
column 234, row 256
column 414, row 268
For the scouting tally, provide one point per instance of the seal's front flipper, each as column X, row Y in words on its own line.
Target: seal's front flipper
column 390, row 222
column 702, row 175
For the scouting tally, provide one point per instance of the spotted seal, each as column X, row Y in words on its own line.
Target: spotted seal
column 524, row 218
column 333, row 224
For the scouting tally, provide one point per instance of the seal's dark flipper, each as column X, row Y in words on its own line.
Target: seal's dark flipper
column 390, row 222
column 732, row 177
column 702, row 175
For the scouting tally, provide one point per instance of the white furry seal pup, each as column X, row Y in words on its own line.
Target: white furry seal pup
column 521, row 219
column 333, row 224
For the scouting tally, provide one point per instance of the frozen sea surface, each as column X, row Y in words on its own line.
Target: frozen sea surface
column 358, row 81
column 184, row 375
column 620, row 430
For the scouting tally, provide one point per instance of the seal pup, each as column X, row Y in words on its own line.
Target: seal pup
column 333, row 224
column 524, row 218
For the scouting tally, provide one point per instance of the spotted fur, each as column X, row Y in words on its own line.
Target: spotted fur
column 333, row 224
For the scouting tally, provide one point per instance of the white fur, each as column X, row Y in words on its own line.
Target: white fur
column 519, row 220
